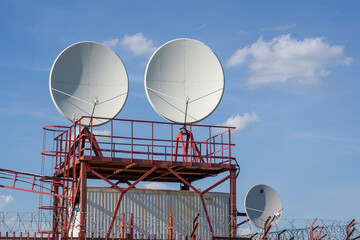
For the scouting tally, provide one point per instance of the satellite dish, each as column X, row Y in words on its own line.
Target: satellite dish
column 184, row 81
column 88, row 79
column 262, row 202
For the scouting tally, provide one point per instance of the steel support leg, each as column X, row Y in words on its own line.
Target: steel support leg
column 83, row 201
column 72, row 207
column 56, row 213
column 233, row 210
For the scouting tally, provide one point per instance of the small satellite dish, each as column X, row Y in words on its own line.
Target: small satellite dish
column 262, row 202
column 184, row 81
column 88, row 79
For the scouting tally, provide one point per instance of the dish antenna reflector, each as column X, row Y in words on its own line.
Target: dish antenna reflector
column 262, row 202
column 184, row 81
column 88, row 79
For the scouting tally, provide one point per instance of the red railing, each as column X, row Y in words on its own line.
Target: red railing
column 142, row 140
column 30, row 182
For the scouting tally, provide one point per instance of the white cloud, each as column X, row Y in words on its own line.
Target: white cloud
column 5, row 200
column 201, row 27
column 12, row 220
column 238, row 57
column 102, row 132
column 99, row 133
column 241, row 122
column 348, row 152
column 243, row 33
column 284, row 27
column 280, row 27
column 138, row 44
column 286, row 59
column 156, row 185
column 112, row 43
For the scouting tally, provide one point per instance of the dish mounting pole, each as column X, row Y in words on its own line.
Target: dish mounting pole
column 188, row 143
column 96, row 101
column 186, row 108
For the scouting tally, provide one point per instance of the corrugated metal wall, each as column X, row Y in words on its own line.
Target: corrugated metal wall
column 152, row 209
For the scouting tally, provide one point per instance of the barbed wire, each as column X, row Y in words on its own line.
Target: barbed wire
column 288, row 228
column 24, row 221
column 300, row 229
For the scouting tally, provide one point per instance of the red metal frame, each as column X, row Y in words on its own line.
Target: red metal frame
column 195, row 227
column 349, row 232
column 79, row 154
column 187, row 144
column 267, row 228
column 171, row 228
column 121, row 196
column 32, row 182
column 312, row 228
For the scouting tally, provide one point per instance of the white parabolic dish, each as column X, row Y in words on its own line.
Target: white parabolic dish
column 86, row 73
column 262, row 202
column 181, row 70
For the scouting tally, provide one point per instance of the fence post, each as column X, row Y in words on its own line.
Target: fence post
column 170, row 227
column 123, row 226
column 131, row 225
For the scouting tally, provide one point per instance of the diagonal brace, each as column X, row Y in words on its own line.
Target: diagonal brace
column 201, row 197
column 121, row 196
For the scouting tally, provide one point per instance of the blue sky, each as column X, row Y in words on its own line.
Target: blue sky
column 292, row 86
